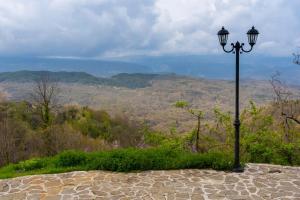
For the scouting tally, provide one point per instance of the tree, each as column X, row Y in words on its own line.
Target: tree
column 12, row 136
column 6, row 139
column 198, row 114
column 288, row 105
column 44, row 96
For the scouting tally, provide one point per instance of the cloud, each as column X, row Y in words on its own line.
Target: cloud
column 199, row 21
column 104, row 28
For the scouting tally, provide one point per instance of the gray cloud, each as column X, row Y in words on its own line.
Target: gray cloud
column 104, row 28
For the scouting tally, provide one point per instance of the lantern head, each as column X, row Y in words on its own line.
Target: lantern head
column 223, row 36
column 252, row 36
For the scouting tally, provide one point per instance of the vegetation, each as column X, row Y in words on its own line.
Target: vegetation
column 120, row 80
column 23, row 133
column 120, row 160
column 133, row 80
column 198, row 114
column 155, row 104
column 23, row 136
column 42, row 136
column 44, row 95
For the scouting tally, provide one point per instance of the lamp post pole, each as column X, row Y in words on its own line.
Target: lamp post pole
column 237, row 123
column 237, row 48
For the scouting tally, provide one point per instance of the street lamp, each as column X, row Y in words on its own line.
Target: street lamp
column 237, row 48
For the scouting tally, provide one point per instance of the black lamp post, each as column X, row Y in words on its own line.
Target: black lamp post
column 237, row 48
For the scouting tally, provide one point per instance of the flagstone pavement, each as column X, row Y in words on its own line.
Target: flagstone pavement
column 259, row 181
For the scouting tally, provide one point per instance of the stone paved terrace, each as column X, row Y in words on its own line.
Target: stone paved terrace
column 257, row 182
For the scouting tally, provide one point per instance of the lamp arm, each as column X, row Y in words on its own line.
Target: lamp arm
column 246, row 51
column 229, row 50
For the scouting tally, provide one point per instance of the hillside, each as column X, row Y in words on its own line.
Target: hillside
column 66, row 77
column 153, row 104
column 120, row 80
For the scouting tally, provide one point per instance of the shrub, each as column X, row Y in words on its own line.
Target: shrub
column 289, row 154
column 154, row 138
column 121, row 160
column 214, row 160
column 70, row 159
column 29, row 165
column 162, row 158
column 125, row 160
column 221, row 161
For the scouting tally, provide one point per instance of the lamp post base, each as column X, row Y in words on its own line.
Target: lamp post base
column 238, row 169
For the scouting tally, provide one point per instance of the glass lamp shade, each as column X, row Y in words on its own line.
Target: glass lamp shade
column 252, row 36
column 223, row 36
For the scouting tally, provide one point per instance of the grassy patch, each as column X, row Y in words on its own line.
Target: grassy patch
column 121, row 160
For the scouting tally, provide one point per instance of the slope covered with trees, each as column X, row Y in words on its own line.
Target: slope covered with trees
column 120, row 80
column 265, row 137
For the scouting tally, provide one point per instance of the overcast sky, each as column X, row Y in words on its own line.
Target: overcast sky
column 108, row 28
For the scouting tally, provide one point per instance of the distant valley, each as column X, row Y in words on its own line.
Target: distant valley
column 148, row 98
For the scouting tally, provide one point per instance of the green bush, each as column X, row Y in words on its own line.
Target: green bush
column 155, row 138
column 162, row 158
column 130, row 160
column 121, row 160
column 29, row 165
column 214, row 160
column 70, row 159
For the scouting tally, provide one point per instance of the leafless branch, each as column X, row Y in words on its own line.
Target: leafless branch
column 44, row 96
column 289, row 107
column 296, row 58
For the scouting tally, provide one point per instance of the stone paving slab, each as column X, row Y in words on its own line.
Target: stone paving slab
column 259, row 181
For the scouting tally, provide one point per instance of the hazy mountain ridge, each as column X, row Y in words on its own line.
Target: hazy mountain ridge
column 205, row 66
column 132, row 81
column 30, row 76
column 101, row 68
column 121, row 80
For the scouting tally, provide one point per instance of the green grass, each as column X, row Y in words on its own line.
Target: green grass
column 121, row 160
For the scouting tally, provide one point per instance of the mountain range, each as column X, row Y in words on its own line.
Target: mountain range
column 132, row 81
column 204, row 66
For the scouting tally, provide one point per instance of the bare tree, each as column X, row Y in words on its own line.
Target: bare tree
column 44, row 97
column 12, row 136
column 198, row 114
column 296, row 58
column 288, row 105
